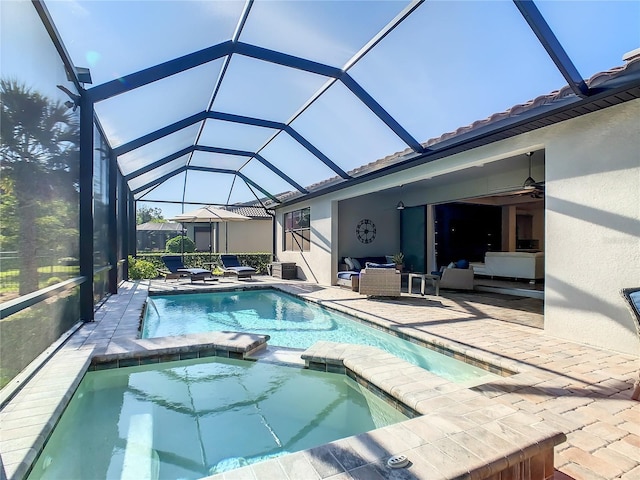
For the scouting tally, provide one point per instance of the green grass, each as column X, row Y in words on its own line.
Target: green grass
column 10, row 279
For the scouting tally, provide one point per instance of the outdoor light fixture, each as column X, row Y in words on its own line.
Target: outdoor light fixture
column 529, row 183
column 75, row 99
column 400, row 205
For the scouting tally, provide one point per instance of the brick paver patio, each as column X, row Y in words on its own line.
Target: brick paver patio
column 581, row 391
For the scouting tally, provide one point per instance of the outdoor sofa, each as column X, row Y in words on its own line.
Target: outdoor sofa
column 350, row 267
column 519, row 265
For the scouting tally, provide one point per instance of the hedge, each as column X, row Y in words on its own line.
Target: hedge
column 259, row 261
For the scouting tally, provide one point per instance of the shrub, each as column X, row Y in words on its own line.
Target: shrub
column 141, row 269
column 53, row 281
column 174, row 245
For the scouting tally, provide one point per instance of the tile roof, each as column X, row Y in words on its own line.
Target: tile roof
column 608, row 77
column 254, row 212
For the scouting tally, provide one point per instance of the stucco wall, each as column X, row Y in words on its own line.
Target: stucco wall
column 253, row 236
column 593, row 227
column 314, row 265
column 592, row 218
column 384, row 216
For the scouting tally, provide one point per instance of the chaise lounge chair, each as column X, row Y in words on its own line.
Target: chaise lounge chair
column 231, row 264
column 176, row 269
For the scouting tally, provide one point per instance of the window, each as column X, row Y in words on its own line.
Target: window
column 297, row 230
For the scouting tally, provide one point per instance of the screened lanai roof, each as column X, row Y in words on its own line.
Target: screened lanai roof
column 223, row 102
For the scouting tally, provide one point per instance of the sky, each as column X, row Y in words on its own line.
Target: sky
column 448, row 64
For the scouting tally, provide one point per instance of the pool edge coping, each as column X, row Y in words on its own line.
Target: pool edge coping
column 85, row 351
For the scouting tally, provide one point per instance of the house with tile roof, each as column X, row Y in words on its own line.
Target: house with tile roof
column 584, row 214
column 252, row 236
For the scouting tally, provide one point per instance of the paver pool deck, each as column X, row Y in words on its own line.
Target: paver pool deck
column 581, row 391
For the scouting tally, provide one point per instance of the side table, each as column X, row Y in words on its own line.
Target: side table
column 435, row 280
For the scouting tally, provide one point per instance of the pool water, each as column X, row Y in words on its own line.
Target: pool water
column 290, row 322
column 193, row 418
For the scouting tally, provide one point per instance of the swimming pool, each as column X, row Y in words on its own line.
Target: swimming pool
column 193, row 418
column 290, row 322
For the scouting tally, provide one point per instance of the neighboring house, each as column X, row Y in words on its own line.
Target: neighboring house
column 252, row 236
column 586, row 219
column 153, row 236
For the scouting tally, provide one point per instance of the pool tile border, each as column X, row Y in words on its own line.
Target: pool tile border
column 109, row 340
column 489, row 363
column 184, row 347
column 454, row 432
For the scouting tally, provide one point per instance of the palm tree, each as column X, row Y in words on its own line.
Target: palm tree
column 39, row 151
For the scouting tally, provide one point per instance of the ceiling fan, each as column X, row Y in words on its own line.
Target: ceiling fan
column 530, row 186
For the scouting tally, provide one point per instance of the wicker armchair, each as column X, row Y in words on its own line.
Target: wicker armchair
column 380, row 282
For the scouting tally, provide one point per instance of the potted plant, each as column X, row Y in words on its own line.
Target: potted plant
column 398, row 259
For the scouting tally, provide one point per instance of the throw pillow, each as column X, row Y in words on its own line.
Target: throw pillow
column 462, row 264
column 349, row 262
column 451, row 265
column 356, row 264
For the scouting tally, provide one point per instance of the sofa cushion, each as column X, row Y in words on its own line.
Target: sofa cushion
column 349, row 262
column 357, row 264
column 364, row 260
column 380, row 265
column 347, row 275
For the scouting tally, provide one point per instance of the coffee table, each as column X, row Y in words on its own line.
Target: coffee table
column 435, row 280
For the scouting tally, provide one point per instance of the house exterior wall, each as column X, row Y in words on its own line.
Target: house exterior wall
column 591, row 218
column 593, row 227
column 384, row 216
column 315, row 264
column 251, row 236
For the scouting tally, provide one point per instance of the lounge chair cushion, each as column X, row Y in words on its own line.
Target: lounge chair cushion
column 194, row 271
column 230, row 263
column 176, row 269
column 173, row 262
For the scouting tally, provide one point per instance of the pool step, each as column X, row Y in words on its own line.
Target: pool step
column 289, row 356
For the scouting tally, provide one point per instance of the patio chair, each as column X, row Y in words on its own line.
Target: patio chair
column 231, row 264
column 382, row 281
column 176, row 269
column 632, row 297
column 457, row 277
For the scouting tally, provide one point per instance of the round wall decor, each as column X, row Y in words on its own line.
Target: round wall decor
column 366, row 231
